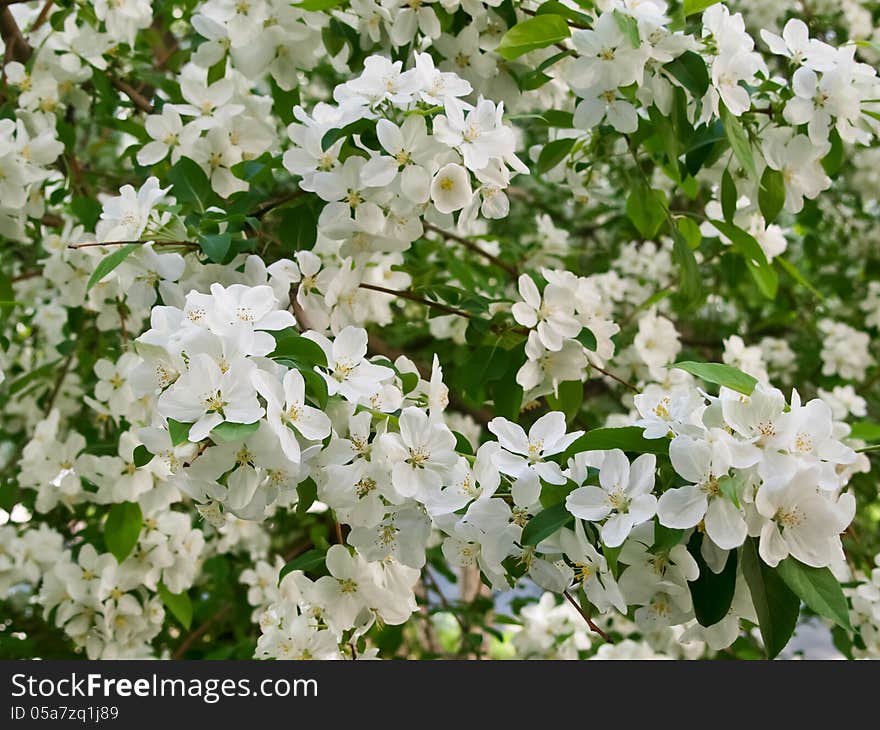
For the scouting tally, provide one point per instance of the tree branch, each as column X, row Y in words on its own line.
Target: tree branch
column 589, row 621
column 471, row 246
column 16, row 46
column 136, row 97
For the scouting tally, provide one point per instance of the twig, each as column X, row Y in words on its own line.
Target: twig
column 56, row 389
column 270, row 205
column 16, row 45
column 25, row 275
column 615, row 377
column 589, row 621
column 410, row 296
column 194, row 636
column 191, row 244
column 43, row 16
column 471, row 246
column 136, row 97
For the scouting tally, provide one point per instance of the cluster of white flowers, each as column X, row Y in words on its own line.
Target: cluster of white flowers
column 462, row 162
column 555, row 319
column 232, row 392
column 225, row 125
column 28, row 146
column 845, row 350
column 865, row 613
column 259, row 37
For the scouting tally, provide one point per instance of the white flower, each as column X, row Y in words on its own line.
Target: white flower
column 205, row 396
column 802, row 522
column 523, row 456
column 451, row 188
column 421, row 454
column 348, row 372
column 125, row 217
column 286, row 409
column 552, row 313
column 704, row 465
column 624, row 496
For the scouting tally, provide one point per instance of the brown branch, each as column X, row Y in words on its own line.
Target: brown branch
column 270, row 205
column 434, row 586
column 194, row 636
column 16, row 46
column 589, row 621
column 89, row 244
column 43, row 16
column 611, row 375
column 26, row 275
column 136, row 97
column 471, row 246
column 166, row 47
column 410, row 296
column 56, row 389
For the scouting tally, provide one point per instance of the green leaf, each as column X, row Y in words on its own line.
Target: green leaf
column 689, row 69
column 307, row 493
column 122, row 529
column 551, row 6
column 818, row 588
column 795, row 274
column 627, row 438
column 739, row 142
column 553, row 153
column 697, row 6
column 569, row 399
column 756, row 261
column 728, row 486
column 833, row 161
column 179, row 432
column 691, row 232
column 290, row 345
column 179, row 604
column 720, row 374
column 316, row 388
column 110, row 262
column 728, row 196
column 228, row 431
column 306, row 562
column 611, row 555
column 629, row 26
column 646, row 208
column 6, row 292
column 141, row 457
column 665, row 538
column 587, row 339
column 191, row 184
column 865, row 431
column 299, row 225
column 216, row 246
column 532, row 34
column 544, row 524
column 317, row 5
column 409, row 382
column 771, row 194
column 462, row 445
column 712, row 593
column 689, row 284
column 777, row 607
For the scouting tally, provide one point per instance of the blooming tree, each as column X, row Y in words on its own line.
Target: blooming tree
column 349, row 329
